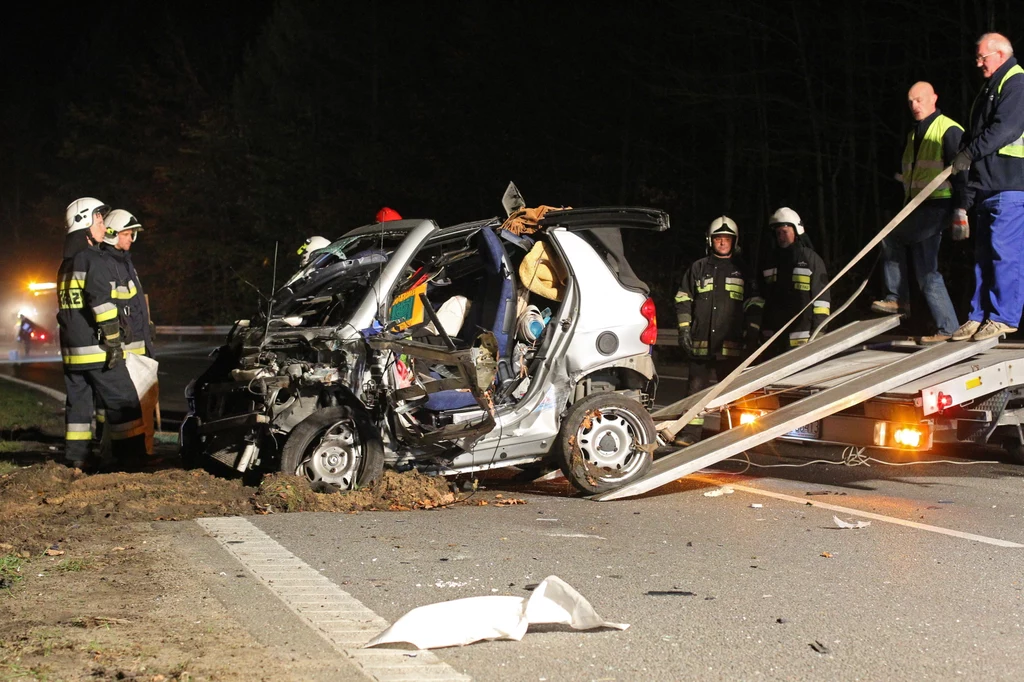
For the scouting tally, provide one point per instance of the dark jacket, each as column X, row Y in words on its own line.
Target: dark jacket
column 996, row 120
column 790, row 279
column 133, row 315
column 84, row 301
column 93, row 288
column 717, row 301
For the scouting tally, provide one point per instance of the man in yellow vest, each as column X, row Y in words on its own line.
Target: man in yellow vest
column 931, row 146
column 993, row 155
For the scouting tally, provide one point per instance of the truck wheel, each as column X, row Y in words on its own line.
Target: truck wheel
column 605, row 442
column 337, row 446
column 1014, row 450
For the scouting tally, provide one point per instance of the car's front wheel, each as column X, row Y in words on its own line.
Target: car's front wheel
column 337, row 446
column 605, row 442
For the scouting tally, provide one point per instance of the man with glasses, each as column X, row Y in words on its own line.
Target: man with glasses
column 993, row 155
column 931, row 146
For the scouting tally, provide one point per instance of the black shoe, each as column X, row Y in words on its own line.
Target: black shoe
column 87, row 465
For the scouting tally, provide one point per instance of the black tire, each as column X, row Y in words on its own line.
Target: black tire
column 337, row 446
column 189, row 446
column 605, row 442
column 1014, row 450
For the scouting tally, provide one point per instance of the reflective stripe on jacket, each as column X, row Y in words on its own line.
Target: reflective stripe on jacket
column 790, row 279
column 716, row 301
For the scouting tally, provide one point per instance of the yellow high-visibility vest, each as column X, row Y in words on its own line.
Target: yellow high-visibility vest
column 917, row 174
column 1015, row 148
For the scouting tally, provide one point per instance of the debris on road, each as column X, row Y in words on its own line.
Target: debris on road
column 464, row 621
column 718, row 492
column 756, row 505
column 827, row 555
column 819, row 647
column 670, row 593
column 823, row 492
column 854, row 525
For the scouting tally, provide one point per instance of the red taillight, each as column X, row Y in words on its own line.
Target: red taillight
column 944, row 400
column 650, row 333
column 42, row 337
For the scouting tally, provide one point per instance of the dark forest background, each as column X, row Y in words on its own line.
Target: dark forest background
column 229, row 126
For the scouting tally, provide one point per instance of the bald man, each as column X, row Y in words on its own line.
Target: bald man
column 993, row 155
column 931, row 146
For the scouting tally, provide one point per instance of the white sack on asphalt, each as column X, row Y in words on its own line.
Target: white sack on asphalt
column 464, row 621
column 143, row 371
column 846, row 524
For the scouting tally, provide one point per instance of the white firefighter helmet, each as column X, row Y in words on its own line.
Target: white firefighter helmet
column 724, row 226
column 80, row 212
column 120, row 220
column 309, row 246
column 786, row 216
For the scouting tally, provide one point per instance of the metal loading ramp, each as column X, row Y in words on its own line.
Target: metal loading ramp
column 800, row 413
column 772, row 371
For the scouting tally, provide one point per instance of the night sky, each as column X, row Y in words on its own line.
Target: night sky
column 229, row 126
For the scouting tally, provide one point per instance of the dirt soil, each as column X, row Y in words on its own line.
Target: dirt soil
column 89, row 590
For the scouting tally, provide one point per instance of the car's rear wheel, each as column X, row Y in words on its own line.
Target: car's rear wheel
column 605, row 442
column 336, row 446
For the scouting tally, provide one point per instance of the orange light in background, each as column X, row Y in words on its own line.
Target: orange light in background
column 907, row 437
column 42, row 286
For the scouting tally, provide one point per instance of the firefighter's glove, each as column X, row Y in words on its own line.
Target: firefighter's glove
column 753, row 339
column 686, row 340
column 110, row 333
column 115, row 356
column 962, row 161
column 960, row 228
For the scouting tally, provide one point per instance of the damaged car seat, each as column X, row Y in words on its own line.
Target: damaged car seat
column 493, row 310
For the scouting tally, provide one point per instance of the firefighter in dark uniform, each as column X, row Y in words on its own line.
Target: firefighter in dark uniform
column 719, row 313
column 84, row 219
column 128, row 437
column 89, row 291
column 134, row 313
column 792, row 276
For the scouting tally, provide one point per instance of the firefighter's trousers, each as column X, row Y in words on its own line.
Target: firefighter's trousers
column 113, row 391
column 703, row 373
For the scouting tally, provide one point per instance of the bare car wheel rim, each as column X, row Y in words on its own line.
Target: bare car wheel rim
column 611, row 445
column 335, row 458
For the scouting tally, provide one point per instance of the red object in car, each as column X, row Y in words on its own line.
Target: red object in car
column 386, row 214
column 650, row 333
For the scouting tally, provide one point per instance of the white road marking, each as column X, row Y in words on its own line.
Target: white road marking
column 575, row 535
column 338, row 617
column 870, row 515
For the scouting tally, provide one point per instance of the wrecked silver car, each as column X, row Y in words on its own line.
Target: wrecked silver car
column 522, row 342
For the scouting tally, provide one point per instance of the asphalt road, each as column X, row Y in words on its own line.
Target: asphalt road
column 713, row 587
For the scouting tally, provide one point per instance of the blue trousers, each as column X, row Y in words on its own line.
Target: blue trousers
column 998, row 258
column 920, row 236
